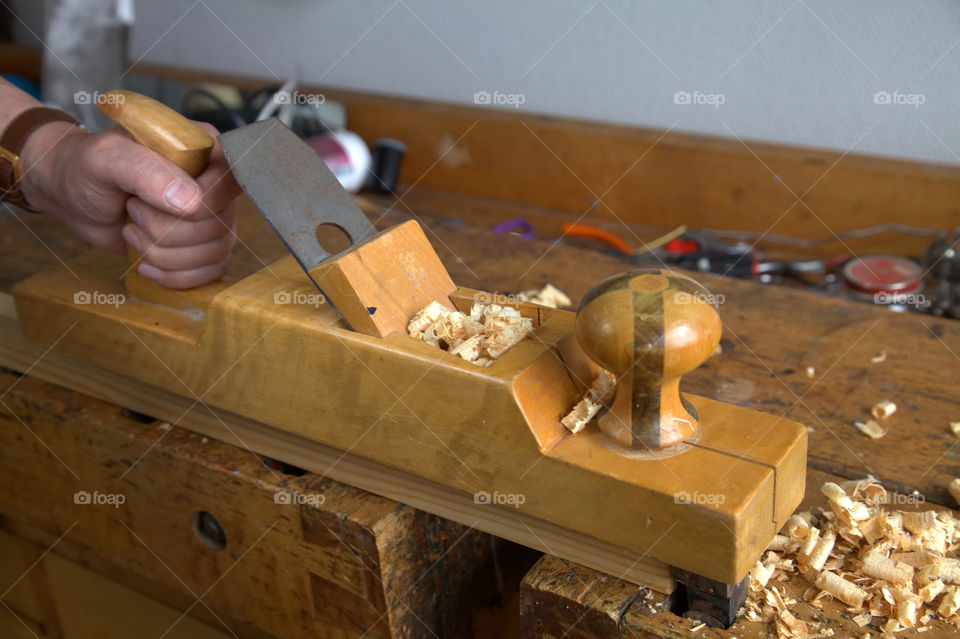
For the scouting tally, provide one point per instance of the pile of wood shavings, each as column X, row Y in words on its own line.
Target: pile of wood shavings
column 901, row 567
column 479, row 338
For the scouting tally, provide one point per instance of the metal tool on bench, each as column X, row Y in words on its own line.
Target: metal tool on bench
column 286, row 180
column 681, row 489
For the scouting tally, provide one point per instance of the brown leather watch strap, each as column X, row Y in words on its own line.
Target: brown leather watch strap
column 12, row 141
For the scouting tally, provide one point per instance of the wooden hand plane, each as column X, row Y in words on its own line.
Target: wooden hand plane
column 661, row 479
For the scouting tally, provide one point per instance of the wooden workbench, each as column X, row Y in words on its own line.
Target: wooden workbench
column 771, row 335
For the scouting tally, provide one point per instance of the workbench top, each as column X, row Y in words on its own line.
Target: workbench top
column 771, row 336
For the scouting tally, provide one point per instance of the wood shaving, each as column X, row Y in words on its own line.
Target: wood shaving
column 549, row 295
column 900, row 567
column 877, row 359
column 811, row 372
column 480, row 337
column 883, row 410
column 821, row 552
column 871, row 429
column 955, row 428
column 954, row 489
column 592, row 402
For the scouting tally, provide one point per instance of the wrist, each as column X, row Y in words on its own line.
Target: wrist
column 40, row 159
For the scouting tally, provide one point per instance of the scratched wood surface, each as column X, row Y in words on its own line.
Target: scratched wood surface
column 771, row 335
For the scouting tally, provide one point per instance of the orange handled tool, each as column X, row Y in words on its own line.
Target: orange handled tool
column 592, row 232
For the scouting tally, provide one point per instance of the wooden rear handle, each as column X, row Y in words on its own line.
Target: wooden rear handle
column 159, row 128
column 163, row 130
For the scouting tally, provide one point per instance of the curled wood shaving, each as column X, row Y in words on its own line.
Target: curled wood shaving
column 950, row 603
column 780, row 543
column 842, row 505
column 591, row 403
column 480, row 337
column 840, row 588
column 876, row 564
column 549, row 295
column 797, row 527
column 821, row 552
column 955, row 489
column 877, row 359
column 900, row 567
column 884, row 409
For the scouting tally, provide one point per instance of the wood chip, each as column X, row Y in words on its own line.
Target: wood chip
column 871, row 429
column 863, row 619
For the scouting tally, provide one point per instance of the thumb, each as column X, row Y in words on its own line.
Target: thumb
column 149, row 176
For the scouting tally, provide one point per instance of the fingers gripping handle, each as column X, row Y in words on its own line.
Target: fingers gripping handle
column 163, row 130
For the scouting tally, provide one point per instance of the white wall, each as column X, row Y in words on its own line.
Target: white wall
column 799, row 72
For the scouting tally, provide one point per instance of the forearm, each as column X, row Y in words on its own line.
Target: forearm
column 13, row 102
column 112, row 190
column 38, row 170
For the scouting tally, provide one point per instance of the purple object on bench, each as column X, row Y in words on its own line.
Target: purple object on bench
column 517, row 223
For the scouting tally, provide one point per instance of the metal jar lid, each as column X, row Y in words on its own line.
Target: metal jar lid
column 882, row 274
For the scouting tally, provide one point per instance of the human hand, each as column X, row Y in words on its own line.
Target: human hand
column 183, row 228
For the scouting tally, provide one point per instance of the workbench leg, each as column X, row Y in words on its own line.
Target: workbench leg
column 709, row 601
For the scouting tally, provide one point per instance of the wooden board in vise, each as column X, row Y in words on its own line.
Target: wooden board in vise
column 457, row 432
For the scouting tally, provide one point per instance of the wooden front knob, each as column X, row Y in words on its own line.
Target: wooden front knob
column 648, row 327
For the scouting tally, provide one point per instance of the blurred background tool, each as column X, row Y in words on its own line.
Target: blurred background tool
column 320, row 122
column 941, row 262
column 387, row 157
